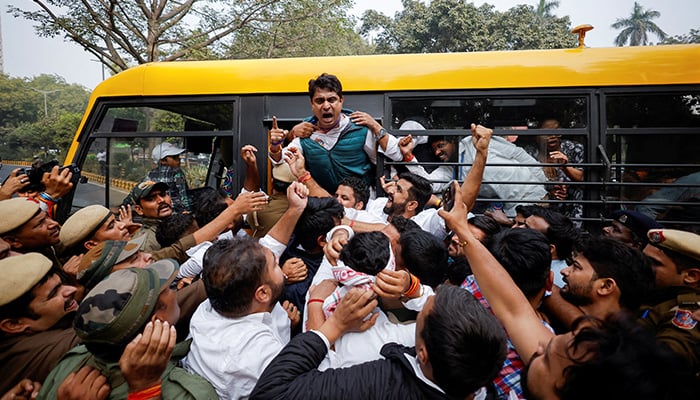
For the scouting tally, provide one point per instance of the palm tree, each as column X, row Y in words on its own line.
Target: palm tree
column 544, row 9
column 635, row 28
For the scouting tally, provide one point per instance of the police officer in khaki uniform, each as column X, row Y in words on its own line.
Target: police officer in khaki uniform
column 675, row 258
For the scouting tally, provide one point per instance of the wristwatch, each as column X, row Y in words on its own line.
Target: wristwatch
column 382, row 133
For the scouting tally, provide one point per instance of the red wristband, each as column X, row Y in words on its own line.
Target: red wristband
column 408, row 158
column 305, row 178
column 315, row 301
column 148, row 393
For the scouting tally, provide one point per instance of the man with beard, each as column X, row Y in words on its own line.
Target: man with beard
column 36, row 309
column 500, row 151
column 335, row 142
column 241, row 327
column 408, row 195
column 607, row 276
column 153, row 203
column 615, row 353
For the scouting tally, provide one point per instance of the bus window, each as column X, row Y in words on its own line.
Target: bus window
column 652, row 142
column 521, row 121
column 654, row 110
column 445, row 112
column 125, row 148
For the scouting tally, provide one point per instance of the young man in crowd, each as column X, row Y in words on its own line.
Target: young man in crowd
column 459, row 348
column 36, row 310
column 616, row 353
column 241, row 327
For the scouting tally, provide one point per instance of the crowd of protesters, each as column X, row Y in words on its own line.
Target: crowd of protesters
column 324, row 289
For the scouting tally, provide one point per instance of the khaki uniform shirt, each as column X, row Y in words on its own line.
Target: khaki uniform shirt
column 33, row 356
column 671, row 321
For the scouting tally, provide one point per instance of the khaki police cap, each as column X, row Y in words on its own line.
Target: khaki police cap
column 81, row 225
column 20, row 274
column 283, row 173
column 16, row 212
column 682, row 242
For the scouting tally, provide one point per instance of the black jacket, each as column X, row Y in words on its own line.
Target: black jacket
column 293, row 374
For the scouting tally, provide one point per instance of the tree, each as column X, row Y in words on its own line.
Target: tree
column 636, row 27
column 325, row 34
column 126, row 33
column 545, row 8
column 455, row 25
column 18, row 103
column 691, row 37
column 25, row 128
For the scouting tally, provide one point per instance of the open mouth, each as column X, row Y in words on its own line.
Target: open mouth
column 327, row 115
column 70, row 305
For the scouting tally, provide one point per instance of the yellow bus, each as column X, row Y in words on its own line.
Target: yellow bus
column 633, row 113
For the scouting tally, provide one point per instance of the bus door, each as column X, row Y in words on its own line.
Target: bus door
column 123, row 136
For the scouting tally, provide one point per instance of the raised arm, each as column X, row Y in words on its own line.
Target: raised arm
column 481, row 136
column 509, row 304
column 297, row 194
column 297, row 165
column 244, row 204
column 252, row 175
column 277, row 137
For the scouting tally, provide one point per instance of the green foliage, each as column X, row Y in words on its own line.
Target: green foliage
column 691, row 37
column 298, row 29
column 636, row 26
column 26, row 131
column 126, row 33
column 458, row 25
column 18, row 104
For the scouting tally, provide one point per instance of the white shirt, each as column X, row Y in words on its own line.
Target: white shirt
column 357, row 347
column 232, row 353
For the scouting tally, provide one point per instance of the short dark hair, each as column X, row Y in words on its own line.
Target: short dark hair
column 466, row 344
column 208, row 204
column 403, row 224
column 366, row 252
column 318, row 218
column 425, row 256
column 630, row 269
column 487, row 224
column 524, row 209
column 19, row 307
column 525, row 255
column 325, row 81
column 561, row 232
column 626, row 359
column 458, row 270
column 359, row 187
column 232, row 272
column 174, row 227
column 420, row 190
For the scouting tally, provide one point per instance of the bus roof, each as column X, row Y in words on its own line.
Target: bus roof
column 614, row 66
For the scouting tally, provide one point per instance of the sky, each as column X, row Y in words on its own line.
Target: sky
column 27, row 55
